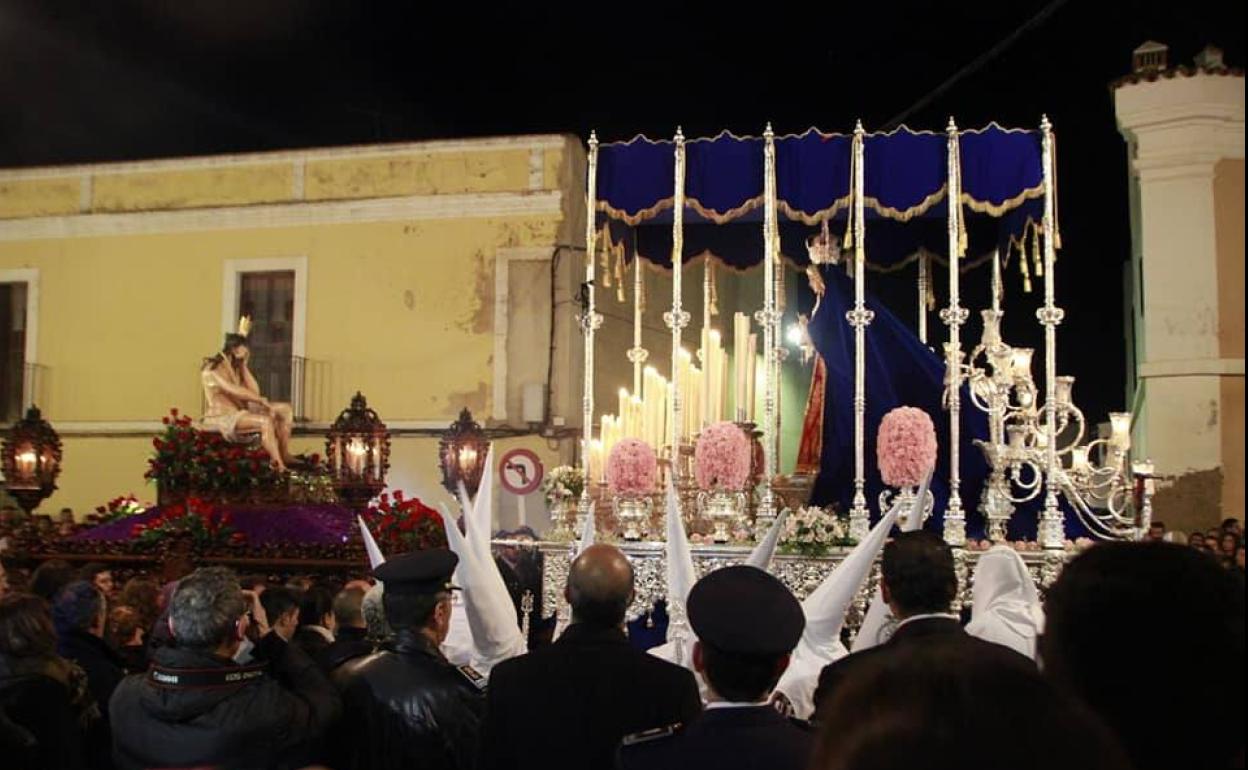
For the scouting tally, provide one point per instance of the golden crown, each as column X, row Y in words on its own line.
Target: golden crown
column 244, row 325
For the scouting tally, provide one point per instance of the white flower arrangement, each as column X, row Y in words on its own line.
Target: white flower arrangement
column 563, row 484
column 813, row 531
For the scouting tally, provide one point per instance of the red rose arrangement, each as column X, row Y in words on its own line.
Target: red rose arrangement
column 401, row 524
column 203, row 523
column 126, row 505
column 202, row 462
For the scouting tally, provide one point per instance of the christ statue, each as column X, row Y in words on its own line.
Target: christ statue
column 236, row 409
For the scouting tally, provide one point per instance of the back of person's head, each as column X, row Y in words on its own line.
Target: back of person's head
column 123, row 622
column 142, row 595
column 206, row 608
column 410, row 610
column 49, row 578
column 314, row 605
column 600, row 586
column 945, row 705
column 1113, row 609
column 1231, row 525
column 349, row 608
column 79, row 607
column 740, row 678
column 278, row 601
column 26, row 627
column 918, row 573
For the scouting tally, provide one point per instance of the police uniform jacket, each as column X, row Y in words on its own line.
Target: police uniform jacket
column 745, row 738
column 407, row 707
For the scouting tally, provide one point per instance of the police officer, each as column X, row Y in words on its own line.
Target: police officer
column 747, row 624
column 406, row 706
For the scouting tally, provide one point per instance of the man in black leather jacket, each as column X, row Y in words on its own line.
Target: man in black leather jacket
column 406, row 706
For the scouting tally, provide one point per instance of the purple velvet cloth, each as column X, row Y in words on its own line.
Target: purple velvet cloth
column 320, row 524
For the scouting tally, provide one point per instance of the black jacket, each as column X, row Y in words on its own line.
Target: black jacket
column 310, row 641
column 567, row 705
column 195, row 709
column 349, row 643
column 42, row 727
column 918, row 632
column 406, row 707
column 753, row 738
column 105, row 668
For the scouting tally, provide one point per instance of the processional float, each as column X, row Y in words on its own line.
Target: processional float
column 1037, row 448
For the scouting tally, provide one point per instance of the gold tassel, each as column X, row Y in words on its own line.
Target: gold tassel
column 1035, row 253
column 962, row 239
column 780, row 286
column 1022, row 266
column 605, row 264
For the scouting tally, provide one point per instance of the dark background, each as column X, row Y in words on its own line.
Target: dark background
column 129, row 79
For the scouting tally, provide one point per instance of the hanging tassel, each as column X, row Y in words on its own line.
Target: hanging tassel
column 1057, row 229
column 1035, row 253
column 780, row 285
column 604, row 260
column 962, row 239
column 1022, row 266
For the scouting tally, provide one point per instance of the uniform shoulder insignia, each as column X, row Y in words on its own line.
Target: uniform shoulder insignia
column 474, row 677
column 645, row 736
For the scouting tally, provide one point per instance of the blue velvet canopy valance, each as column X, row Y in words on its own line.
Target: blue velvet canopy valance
column 906, row 182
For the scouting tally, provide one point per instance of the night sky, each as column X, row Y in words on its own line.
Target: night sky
column 130, row 79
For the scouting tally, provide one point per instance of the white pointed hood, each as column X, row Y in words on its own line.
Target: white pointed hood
column 760, row 557
column 825, row 615
column 491, row 615
column 879, row 617
column 681, row 576
column 375, row 557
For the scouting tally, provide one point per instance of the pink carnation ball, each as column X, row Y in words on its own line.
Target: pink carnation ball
column 906, row 446
column 722, row 458
column 632, row 468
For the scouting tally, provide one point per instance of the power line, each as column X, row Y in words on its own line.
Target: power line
column 979, row 61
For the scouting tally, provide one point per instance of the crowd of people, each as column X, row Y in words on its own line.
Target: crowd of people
column 222, row 671
column 1225, row 544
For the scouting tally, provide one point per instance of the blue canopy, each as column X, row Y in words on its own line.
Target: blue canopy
column 905, row 175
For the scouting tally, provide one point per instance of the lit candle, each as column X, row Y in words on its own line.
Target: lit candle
column 1120, row 430
column 740, row 338
column 26, row 462
column 751, row 355
column 356, row 452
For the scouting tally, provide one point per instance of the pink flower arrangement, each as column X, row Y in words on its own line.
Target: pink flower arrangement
column 722, row 458
column 632, row 468
column 906, row 446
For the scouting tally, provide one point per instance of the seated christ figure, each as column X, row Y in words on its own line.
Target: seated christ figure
column 236, row 409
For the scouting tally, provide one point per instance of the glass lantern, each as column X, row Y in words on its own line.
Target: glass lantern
column 357, row 450
column 462, row 454
column 31, row 460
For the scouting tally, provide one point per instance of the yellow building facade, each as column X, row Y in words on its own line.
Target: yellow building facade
column 429, row 276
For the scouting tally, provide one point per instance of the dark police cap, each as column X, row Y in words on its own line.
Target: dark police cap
column 744, row 610
column 422, row 572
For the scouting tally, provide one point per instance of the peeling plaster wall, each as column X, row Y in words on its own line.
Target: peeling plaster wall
column 399, row 307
